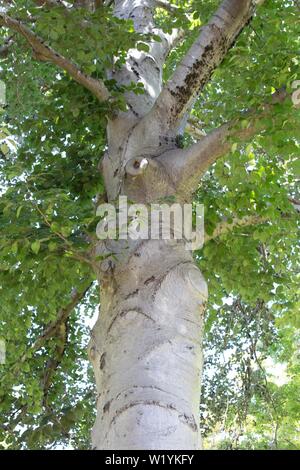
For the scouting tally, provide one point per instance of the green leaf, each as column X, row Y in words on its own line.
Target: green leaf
column 35, row 246
column 14, row 247
column 234, row 147
column 52, row 246
column 66, row 231
column 19, row 211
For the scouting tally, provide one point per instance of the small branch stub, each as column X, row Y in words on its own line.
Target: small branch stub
column 92, row 353
column 136, row 166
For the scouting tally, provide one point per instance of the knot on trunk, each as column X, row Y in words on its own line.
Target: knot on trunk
column 147, row 180
column 136, row 166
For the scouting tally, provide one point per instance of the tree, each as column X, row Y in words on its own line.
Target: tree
column 158, row 101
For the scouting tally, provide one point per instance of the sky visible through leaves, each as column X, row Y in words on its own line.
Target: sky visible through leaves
column 52, row 135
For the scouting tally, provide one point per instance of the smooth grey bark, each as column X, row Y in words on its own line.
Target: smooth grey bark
column 146, row 348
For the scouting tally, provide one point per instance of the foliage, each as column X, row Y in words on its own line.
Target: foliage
column 52, row 137
column 251, row 379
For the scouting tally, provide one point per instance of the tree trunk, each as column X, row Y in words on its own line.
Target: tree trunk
column 146, row 345
column 146, row 348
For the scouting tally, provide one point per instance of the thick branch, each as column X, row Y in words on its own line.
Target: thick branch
column 225, row 227
column 53, row 362
column 187, row 166
column 204, row 56
column 165, row 5
column 194, row 130
column 45, row 53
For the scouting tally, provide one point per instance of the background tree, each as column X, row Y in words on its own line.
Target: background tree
column 202, row 91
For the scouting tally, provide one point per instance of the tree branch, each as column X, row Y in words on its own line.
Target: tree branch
column 49, row 3
column 204, row 56
column 45, row 53
column 194, row 130
column 54, row 361
column 88, row 4
column 295, row 203
column 225, row 227
column 4, row 50
column 54, row 327
column 164, row 4
column 188, row 165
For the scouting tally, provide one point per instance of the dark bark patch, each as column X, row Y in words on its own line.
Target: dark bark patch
column 149, row 280
column 132, row 294
column 102, row 361
column 200, row 72
column 135, row 72
column 189, row 420
column 106, row 407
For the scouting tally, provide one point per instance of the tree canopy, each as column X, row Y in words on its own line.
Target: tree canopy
column 52, row 136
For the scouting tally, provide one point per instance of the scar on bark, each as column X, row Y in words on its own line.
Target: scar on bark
column 124, row 312
column 149, row 280
column 106, row 407
column 190, row 421
column 132, row 294
column 131, row 390
column 184, row 418
column 92, row 353
column 164, row 275
column 102, row 361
